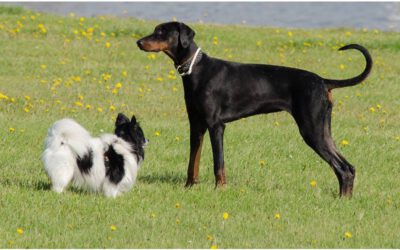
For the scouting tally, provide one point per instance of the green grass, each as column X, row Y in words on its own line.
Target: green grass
column 45, row 76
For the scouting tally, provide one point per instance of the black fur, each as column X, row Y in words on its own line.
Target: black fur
column 218, row 91
column 131, row 132
column 85, row 162
column 114, row 165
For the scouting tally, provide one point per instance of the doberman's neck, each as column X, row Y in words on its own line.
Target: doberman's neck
column 182, row 55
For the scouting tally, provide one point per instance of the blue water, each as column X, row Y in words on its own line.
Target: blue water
column 371, row 15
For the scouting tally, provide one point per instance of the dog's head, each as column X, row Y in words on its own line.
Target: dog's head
column 131, row 132
column 167, row 37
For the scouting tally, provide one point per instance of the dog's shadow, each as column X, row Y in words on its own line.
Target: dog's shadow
column 170, row 178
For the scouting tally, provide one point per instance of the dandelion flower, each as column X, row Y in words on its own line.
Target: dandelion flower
column 43, row 66
column 348, row 235
column 113, row 228
column 118, row 85
column 344, row 142
column 108, row 45
column 178, row 221
column 214, row 246
column 342, row 66
column 157, row 133
column 177, row 205
column 112, row 108
column 225, row 216
column 313, row 183
column 210, row 237
column 151, row 56
column 290, row 34
column 12, row 130
column 79, row 104
column 20, row 231
column 277, row 216
column 262, row 162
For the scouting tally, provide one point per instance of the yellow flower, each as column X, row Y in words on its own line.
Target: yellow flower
column 178, row 221
column 79, row 104
column 88, row 106
column 106, row 76
column 313, row 184
column 99, row 110
column 348, row 235
column 210, row 237
column 113, row 227
column 262, row 162
column 342, row 66
column 259, row 43
column 344, row 142
column 290, row 34
column 3, row 96
column 160, row 79
column 151, row 56
column 103, row 34
column 108, row 45
column 118, row 85
column 82, row 19
column 215, row 40
column 124, row 73
column 277, row 216
column 43, row 66
column 112, row 108
column 214, row 246
column 20, row 231
column 177, row 138
column 372, row 109
column 225, row 215
column 157, row 133
column 12, row 130
column 177, row 205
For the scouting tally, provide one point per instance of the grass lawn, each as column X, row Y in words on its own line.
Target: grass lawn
column 280, row 194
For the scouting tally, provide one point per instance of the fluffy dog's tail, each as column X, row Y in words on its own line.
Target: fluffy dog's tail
column 68, row 133
column 332, row 84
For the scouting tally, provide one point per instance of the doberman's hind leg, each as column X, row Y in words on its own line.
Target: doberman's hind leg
column 315, row 129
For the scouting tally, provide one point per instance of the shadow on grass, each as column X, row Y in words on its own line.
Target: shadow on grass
column 27, row 184
column 171, row 178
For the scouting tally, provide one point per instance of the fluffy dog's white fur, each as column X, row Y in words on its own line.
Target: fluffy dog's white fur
column 67, row 141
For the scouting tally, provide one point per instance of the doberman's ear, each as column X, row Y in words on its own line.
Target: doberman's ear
column 186, row 35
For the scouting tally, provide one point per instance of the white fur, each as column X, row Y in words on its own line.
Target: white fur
column 66, row 141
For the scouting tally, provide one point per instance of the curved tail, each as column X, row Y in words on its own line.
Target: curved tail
column 331, row 84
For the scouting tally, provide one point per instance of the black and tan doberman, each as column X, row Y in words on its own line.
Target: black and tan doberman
column 218, row 91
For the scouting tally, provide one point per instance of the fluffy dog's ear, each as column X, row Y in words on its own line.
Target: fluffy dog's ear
column 121, row 119
column 186, row 35
column 133, row 120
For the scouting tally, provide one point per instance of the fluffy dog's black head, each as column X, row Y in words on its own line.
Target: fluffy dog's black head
column 131, row 132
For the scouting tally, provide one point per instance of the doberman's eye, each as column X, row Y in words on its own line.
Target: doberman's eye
column 159, row 32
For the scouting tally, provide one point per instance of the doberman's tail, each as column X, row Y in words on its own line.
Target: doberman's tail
column 332, row 84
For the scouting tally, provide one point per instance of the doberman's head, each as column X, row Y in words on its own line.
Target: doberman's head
column 173, row 38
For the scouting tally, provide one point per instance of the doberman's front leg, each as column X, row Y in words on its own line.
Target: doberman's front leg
column 197, row 131
column 217, row 143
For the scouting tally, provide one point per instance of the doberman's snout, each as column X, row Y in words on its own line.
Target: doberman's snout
column 140, row 43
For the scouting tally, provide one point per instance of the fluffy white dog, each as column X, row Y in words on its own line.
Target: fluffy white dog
column 108, row 163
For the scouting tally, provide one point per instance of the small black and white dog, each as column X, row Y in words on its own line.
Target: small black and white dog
column 108, row 163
